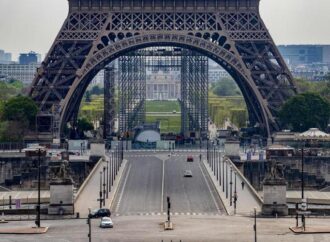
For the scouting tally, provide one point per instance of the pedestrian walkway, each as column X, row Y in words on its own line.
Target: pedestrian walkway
column 236, row 193
column 88, row 195
column 24, row 197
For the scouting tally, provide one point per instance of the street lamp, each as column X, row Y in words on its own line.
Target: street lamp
column 38, row 151
column 89, row 221
column 113, row 157
column 100, row 199
column 108, row 190
column 235, row 193
column 231, row 185
column 226, row 180
column 207, row 149
column 38, row 207
column 219, row 160
column 104, row 191
column 255, row 225
column 223, row 175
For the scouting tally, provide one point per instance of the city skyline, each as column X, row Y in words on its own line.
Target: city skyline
column 288, row 22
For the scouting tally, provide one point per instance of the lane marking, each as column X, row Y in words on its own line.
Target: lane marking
column 163, row 182
column 208, row 186
column 124, row 185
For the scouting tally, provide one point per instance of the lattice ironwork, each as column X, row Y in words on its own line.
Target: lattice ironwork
column 231, row 32
column 194, row 93
column 109, row 102
column 132, row 91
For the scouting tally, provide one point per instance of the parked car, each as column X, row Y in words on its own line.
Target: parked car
column 190, row 158
column 187, row 173
column 99, row 213
column 106, row 222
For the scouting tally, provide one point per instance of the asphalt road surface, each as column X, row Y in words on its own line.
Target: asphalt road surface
column 151, row 177
column 187, row 229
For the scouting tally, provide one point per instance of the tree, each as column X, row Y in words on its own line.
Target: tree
column 96, row 90
column 88, row 98
column 304, row 111
column 18, row 115
column 226, row 87
column 22, row 109
column 83, row 125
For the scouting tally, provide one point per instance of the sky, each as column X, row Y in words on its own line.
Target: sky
column 27, row 25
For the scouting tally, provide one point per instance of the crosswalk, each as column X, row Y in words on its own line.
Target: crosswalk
column 165, row 214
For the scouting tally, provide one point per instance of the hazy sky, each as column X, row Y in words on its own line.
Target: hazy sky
column 33, row 24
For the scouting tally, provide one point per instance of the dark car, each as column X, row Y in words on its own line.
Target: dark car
column 100, row 213
column 190, row 158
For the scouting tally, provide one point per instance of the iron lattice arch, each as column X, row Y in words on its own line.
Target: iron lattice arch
column 96, row 32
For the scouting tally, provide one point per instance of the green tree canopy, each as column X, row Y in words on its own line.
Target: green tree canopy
column 20, row 109
column 84, row 125
column 304, row 111
column 226, row 87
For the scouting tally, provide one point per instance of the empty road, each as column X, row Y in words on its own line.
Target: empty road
column 151, row 177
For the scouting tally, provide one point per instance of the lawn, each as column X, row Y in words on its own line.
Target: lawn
column 167, row 123
column 162, row 106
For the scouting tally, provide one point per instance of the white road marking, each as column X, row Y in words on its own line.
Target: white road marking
column 124, row 185
column 163, row 183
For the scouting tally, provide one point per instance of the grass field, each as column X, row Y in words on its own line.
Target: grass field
column 162, row 106
column 167, row 124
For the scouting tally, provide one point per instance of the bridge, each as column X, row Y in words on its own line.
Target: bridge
column 145, row 180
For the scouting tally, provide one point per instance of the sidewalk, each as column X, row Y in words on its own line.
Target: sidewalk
column 24, row 230
column 310, row 230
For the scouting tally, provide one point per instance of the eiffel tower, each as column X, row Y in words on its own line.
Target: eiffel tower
column 95, row 32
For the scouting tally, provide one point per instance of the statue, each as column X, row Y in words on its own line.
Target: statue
column 276, row 171
column 60, row 172
column 274, row 190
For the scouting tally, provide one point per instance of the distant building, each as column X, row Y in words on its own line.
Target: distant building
column 310, row 62
column 5, row 58
column 28, row 58
column 163, row 85
column 216, row 72
column 23, row 73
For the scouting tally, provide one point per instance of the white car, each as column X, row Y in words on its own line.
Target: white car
column 187, row 173
column 106, row 222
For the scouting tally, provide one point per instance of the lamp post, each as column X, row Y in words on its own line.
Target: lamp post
column 255, row 225
column 104, row 185
column 108, row 179
column 223, row 175
column 303, row 201
column 113, row 167
column 302, row 172
column 38, row 206
column 207, row 149
column 100, row 199
column 235, row 193
column 89, row 222
column 214, row 159
column 231, row 185
column 226, row 180
column 219, row 160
